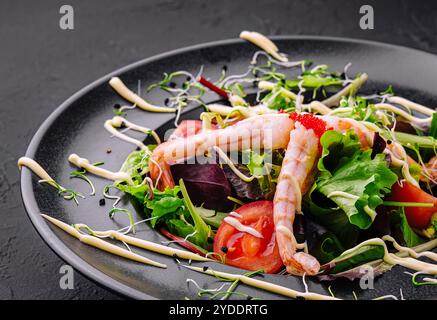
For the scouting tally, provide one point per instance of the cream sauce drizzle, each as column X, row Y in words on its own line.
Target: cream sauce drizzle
column 237, row 101
column 241, row 227
column 403, row 114
column 343, row 195
column 37, row 169
column 394, row 259
column 264, row 285
column 411, row 105
column 130, row 96
column 140, row 243
column 370, row 212
column 231, row 165
column 235, row 214
column 264, row 43
column 118, row 121
column 85, row 164
column 101, row 244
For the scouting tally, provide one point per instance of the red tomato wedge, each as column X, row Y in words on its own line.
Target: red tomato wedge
column 242, row 249
column 418, row 217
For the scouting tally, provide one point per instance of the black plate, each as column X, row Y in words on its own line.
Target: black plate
column 77, row 126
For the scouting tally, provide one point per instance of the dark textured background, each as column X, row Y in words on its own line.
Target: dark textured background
column 41, row 66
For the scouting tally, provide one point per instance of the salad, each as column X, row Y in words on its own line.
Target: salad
column 295, row 172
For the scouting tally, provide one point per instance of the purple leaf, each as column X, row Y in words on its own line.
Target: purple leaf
column 206, row 185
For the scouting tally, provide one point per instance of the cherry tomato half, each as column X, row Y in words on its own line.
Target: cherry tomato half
column 418, row 217
column 242, row 249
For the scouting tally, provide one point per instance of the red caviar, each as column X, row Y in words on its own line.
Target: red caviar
column 309, row 121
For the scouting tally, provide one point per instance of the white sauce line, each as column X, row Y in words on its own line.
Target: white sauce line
column 85, row 164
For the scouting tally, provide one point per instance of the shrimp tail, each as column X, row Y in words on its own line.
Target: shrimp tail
column 160, row 170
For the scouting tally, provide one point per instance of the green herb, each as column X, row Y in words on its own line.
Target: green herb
column 119, row 112
column 388, row 91
column 407, row 204
column 357, row 108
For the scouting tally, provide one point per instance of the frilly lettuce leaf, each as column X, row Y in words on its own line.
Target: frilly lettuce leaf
column 350, row 181
column 136, row 164
column 163, row 203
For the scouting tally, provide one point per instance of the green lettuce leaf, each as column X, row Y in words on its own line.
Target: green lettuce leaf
column 163, row 203
column 211, row 217
column 411, row 238
column 138, row 191
column 350, row 179
column 356, row 257
column 136, row 163
column 203, row 231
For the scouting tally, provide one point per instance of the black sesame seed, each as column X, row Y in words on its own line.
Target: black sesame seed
column 205, row 268
column 102, row 202
column 166, row 101
column 255, row 83
column 108, row 150
column 249, row 298
column 225, row 68
column 188, row 78
column 138, row 148
column 224, row 249
column 389, row 142
column 172, row 84
column 342, row 75
column 117, row 106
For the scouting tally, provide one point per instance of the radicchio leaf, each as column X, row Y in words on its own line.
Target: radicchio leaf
column 206, row 185
column 245, row 190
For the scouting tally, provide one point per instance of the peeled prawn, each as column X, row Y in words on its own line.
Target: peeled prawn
column 294, row 180
column 269, row 131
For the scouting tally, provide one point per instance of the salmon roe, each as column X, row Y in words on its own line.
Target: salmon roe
column 309, row 121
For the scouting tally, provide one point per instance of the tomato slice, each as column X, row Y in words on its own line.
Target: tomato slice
column 242, row 249
column 418, row 217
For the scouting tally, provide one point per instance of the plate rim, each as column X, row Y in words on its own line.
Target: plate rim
column 28, row 197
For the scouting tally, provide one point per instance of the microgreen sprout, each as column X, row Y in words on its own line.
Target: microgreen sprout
column 82, row 175
column 215, row 293
column 128, row 213
column 67, row 194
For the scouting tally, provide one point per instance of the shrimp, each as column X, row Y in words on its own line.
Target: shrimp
column 298, row 168
column 269, row 131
